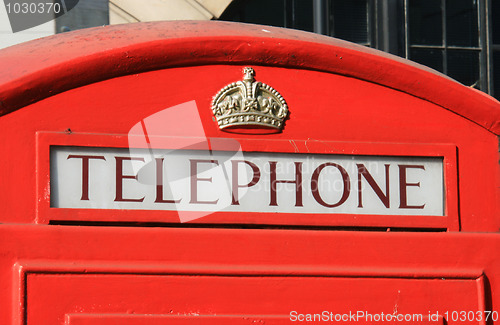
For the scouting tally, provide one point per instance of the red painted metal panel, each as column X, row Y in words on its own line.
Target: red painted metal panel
column 77, row 319
column 284, row 296
column 240, row 272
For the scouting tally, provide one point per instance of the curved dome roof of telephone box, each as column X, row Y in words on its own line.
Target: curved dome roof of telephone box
column 44, row 67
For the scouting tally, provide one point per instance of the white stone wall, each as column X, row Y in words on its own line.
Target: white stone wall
column 128, row 11
column 123, row 11
column 7, row 38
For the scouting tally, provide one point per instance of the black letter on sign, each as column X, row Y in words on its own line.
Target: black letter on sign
column 85, row 173
column 383, row 197
column 120, row 177
column 403, row 196
column 297, row 182
column 315, row 190
column 236, row 185
column 195, row 179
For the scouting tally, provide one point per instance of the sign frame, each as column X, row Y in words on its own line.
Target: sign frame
column 450, row 221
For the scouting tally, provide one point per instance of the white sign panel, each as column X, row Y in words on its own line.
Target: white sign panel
column 197, row 180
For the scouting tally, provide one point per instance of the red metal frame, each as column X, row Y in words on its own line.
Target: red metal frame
column 450, row 221
column 25, row 270
column 89, row 255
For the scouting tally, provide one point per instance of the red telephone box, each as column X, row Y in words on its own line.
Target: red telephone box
column 194, row 173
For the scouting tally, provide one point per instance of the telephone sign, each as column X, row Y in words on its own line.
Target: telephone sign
column 225, row 173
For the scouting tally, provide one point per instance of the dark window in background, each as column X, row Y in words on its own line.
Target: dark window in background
column 426, row 22
column 462, row 23
column 450, row 36
column 496, row 74
column 432, row 58
column 300, row 15
column 444, row 35
column 349, row 20
column 495, row 22
column 346, row 19
column 86, row 13
column 295, row 14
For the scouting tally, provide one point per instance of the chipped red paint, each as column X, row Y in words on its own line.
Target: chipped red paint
column 92, row 88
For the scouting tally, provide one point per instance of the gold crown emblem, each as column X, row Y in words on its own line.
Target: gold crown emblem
column 249, row 103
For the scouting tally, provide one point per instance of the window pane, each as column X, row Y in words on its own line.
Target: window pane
column 463, row 66
column 426, row 22
column 496, row 74
column 296, row 14
column 265, row 12
column 350, row 20
column 89, row 13
column 461, row 22
column 495, row 14
column 430, row 57
column 302, row 15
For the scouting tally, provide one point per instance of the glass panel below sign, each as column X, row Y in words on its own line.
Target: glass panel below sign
column 237, row 181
